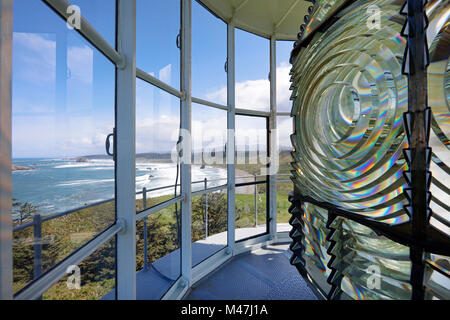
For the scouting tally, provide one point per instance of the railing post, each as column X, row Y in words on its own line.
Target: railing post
column 37, row 247
column 256, row 203
column 144, row 204
column 206, row 209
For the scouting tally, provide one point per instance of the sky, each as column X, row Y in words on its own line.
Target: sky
column 63, row 88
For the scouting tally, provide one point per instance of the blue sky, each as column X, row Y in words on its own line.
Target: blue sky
column 63, row 88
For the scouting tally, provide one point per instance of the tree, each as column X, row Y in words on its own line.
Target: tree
column 23, row 212
column 23, row 244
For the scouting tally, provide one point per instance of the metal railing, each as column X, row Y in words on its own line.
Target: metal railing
column 38, row 219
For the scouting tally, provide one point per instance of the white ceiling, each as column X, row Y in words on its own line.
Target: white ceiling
column 281, row 18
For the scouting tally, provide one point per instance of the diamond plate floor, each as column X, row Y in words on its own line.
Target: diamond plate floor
column 264, row 274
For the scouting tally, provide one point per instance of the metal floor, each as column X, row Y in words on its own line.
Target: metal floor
column 264, row 274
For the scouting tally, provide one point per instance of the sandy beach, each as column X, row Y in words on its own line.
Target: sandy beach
column 241, row 178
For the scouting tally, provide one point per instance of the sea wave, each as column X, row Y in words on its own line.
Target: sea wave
column 83, row 165
column 83, row 182
column 92, row 168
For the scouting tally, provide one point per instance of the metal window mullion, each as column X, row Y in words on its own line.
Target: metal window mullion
column 87, row 31
column 186, row 178
column 144, row 76
column 273, row 138
column 247, row 112
column 209, row 103
column 126, row 153
column 231, row 143
column 6, row 30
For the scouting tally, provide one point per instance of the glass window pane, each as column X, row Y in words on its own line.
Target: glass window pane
column 157, row 27
column 251, row 211
column 59, row 237
column 251, row 148
column 209, row 137
column 92, row 279
column 63, row 110
column 101, row 14
column 157, row 131
column 284, row 125
column 209, row 225
column 209, row 53
column 283, row 204
column 252, row 71
column 285, row 130
column 163, row 266
column 284, row 48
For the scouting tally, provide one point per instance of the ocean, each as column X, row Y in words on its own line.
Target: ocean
column 58, row 185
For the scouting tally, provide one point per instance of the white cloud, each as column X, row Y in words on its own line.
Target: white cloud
column 35, row 58
column 284, row 132
column 80, row 62
column 165, row 74
column 156, row 134
column 255, row 94
column 284, row 103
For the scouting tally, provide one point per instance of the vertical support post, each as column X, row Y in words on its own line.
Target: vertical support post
column 37, row 247
column 125, row 153
column 273, row 139
column 186, row 177
column 144, row 204
column 418, row 124
column 231, row 143
column 256, row 202
column 206, row 209
column 6, row 30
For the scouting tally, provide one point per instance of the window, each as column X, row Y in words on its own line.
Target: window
column 63, row 110
column 251, row 211
column 209, row 170
column 209, row 225
column 157, row 132
column 209, row 53
column 252, row 71
column 284, row 48
column 158, row 22
column 251, row 147
column 251, row 177
column 160, row 267
column 209, row 137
